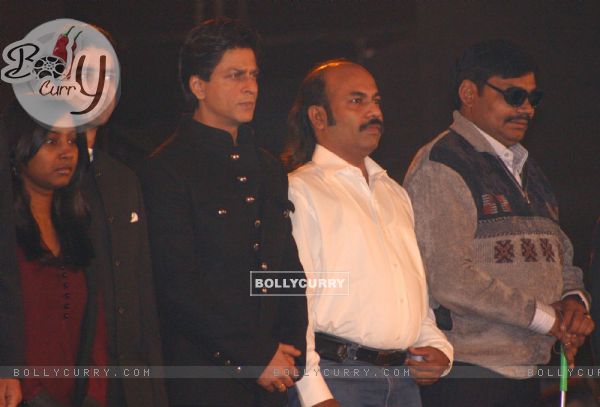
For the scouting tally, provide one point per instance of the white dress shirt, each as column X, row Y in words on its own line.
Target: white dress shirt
column 341, row 223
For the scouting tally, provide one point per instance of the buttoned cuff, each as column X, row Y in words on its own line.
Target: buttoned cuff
column 312, row 388
column 581, row 295
column 543, row 319
column 451, row 359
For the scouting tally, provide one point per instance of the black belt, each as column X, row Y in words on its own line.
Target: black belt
column 336, row 349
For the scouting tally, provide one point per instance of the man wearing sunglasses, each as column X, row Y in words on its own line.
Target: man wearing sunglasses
column 499, row 267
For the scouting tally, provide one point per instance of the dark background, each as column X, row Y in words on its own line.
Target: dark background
column 409, row 46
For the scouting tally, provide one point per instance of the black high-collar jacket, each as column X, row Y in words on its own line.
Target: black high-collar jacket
column 216, row 212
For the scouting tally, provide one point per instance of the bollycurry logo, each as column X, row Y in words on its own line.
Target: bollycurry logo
column 64, row 73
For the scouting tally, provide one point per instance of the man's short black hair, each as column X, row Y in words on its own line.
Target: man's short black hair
column 490, row 58
column 205, row 45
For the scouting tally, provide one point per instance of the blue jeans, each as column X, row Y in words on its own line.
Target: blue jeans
column 366, row 392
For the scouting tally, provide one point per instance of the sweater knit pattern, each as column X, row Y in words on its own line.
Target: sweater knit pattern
column 508, row 254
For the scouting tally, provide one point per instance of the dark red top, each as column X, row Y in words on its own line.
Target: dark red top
column 54, row 299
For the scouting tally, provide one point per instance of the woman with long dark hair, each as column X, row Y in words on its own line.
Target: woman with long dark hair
column 62, row 317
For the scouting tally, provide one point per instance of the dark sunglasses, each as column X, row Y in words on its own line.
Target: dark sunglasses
column 516, row 96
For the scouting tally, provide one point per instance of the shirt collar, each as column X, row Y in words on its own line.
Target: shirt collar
column 520, row 157
column 483, row 142
column 332, row 164
column 471, row 133
column 514, row 156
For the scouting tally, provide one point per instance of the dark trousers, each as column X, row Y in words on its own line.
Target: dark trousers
column 483, row 388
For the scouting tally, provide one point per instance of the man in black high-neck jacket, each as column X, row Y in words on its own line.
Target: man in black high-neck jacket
column 218, row 209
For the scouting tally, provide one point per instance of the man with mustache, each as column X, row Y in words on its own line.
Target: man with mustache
column 217, row 210
column 498, row 265
column 350, row 217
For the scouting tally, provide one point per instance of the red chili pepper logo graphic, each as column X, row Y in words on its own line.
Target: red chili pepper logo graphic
column 60, row 48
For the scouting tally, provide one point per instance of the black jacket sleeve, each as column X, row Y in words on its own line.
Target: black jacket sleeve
column 293, row 314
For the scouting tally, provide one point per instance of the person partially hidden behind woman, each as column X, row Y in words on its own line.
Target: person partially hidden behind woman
column 63, row 317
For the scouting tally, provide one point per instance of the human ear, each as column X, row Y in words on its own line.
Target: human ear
column 318, row 117
column 467, row 92
column 197, row 86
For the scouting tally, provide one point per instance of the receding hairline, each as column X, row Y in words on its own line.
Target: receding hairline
column 337, row 67
column 332, row 66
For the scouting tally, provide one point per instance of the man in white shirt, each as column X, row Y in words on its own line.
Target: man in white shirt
column 351, row 217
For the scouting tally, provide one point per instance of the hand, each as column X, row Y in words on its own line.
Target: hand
column 10, row 392
column 572, row 328
column 575, row 318
column 572, row 348
column 278, row 374
column 428, row 370
column 328, row 403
